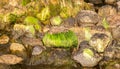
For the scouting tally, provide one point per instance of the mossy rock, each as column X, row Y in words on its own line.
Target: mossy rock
column 62, row 39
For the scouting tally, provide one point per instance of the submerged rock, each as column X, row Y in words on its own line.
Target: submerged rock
column 10, row 59
column 4, row 66
column 86, row 56
column 54, row 57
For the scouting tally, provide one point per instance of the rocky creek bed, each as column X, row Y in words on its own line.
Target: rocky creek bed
column 60, row 34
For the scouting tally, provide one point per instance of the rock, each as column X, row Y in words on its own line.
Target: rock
column 69, row 22
column 23, row 30
column 54, row 57
column 31, row 41
column 99, row 42
column 114, row 25
column 112, row 51
column 4, row 39
column 18, row 49
column 85, row 33
column 118, row 6
column 37, row 50
column 4, row 66
column 13, row 2
column 57, row 20
column 110, row 1
column 18, row 30
column 10, row 59
column 111, row 64
column 86, row 56
column 96, row 1
column 87, row 18
column 107, row 10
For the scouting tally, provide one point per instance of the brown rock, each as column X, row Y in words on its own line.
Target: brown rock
column 31, row 41
column 18, row 49
column 10, row 59
column 96, row 1
column 87, row 17
column 4, row 39
column 110, row 1
column 107, row 10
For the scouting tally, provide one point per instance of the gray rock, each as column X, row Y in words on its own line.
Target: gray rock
column 99, row 42
column 86, row 56
column 87, row 17
column 55, row 57
column 37, row 50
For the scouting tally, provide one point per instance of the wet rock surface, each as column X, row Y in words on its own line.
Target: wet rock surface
column 86, row 56
column 59, row 34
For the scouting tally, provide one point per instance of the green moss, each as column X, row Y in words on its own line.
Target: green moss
column 56, row 20
column 88, row 53
column 10, row 18
column 44, row 14
column 29, row 20
column 63, row 39
column 25, row 2
column 87, row 34
column 31, row 30
column 105, row 23
column 55, row 9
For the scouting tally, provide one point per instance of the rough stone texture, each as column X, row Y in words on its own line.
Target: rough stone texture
column 99, row 42
column 107, row 10
column 110, row 1
column 18, row 49
column 31, row 41
column 118, row 6
column 84, row 60
column 37, row 50
column 86, row 17
column 96, row 1
column 4, row 39
column 55, row 57
column 114, row 24
column 10, row 59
